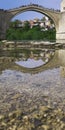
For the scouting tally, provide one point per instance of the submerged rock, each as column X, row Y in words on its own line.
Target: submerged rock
column 48, row 119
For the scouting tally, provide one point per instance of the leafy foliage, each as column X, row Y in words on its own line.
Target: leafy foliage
column 27, row 33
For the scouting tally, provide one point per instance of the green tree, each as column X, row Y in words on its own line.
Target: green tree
column 15, row 24
column 26, row 26
column 27, row 33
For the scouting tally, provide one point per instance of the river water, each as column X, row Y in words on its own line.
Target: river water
column 32, row 89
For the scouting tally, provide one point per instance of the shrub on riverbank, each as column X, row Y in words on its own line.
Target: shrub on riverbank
column 34, row 33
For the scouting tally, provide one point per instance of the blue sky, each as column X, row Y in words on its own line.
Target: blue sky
column 10, row 4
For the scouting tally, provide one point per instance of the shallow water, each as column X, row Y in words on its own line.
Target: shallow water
column 27, row 88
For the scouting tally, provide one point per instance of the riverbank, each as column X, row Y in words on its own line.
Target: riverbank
column 8, row 45
column 41, row 118
column 32, row 102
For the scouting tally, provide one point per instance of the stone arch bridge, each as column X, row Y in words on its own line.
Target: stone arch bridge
column 7, row 15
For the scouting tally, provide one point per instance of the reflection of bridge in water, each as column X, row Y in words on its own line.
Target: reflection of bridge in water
column 53, row 63
column 57, row 17
column 57, row 61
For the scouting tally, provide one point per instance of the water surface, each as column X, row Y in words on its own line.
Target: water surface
column 27, row 87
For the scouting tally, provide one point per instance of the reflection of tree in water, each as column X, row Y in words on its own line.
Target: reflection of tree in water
column 24, row 54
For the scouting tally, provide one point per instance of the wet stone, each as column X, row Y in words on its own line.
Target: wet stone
column 32, row 101
column 63, row 119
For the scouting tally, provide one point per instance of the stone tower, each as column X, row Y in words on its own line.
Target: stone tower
column 60, row 34
column 62, row 5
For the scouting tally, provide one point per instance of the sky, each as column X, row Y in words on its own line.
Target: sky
column 10, row 4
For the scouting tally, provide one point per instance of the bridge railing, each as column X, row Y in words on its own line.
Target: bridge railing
column 36, row 5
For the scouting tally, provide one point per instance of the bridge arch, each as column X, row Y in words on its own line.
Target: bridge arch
column 7, row 15
column 52, row 14
column 37, row 12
